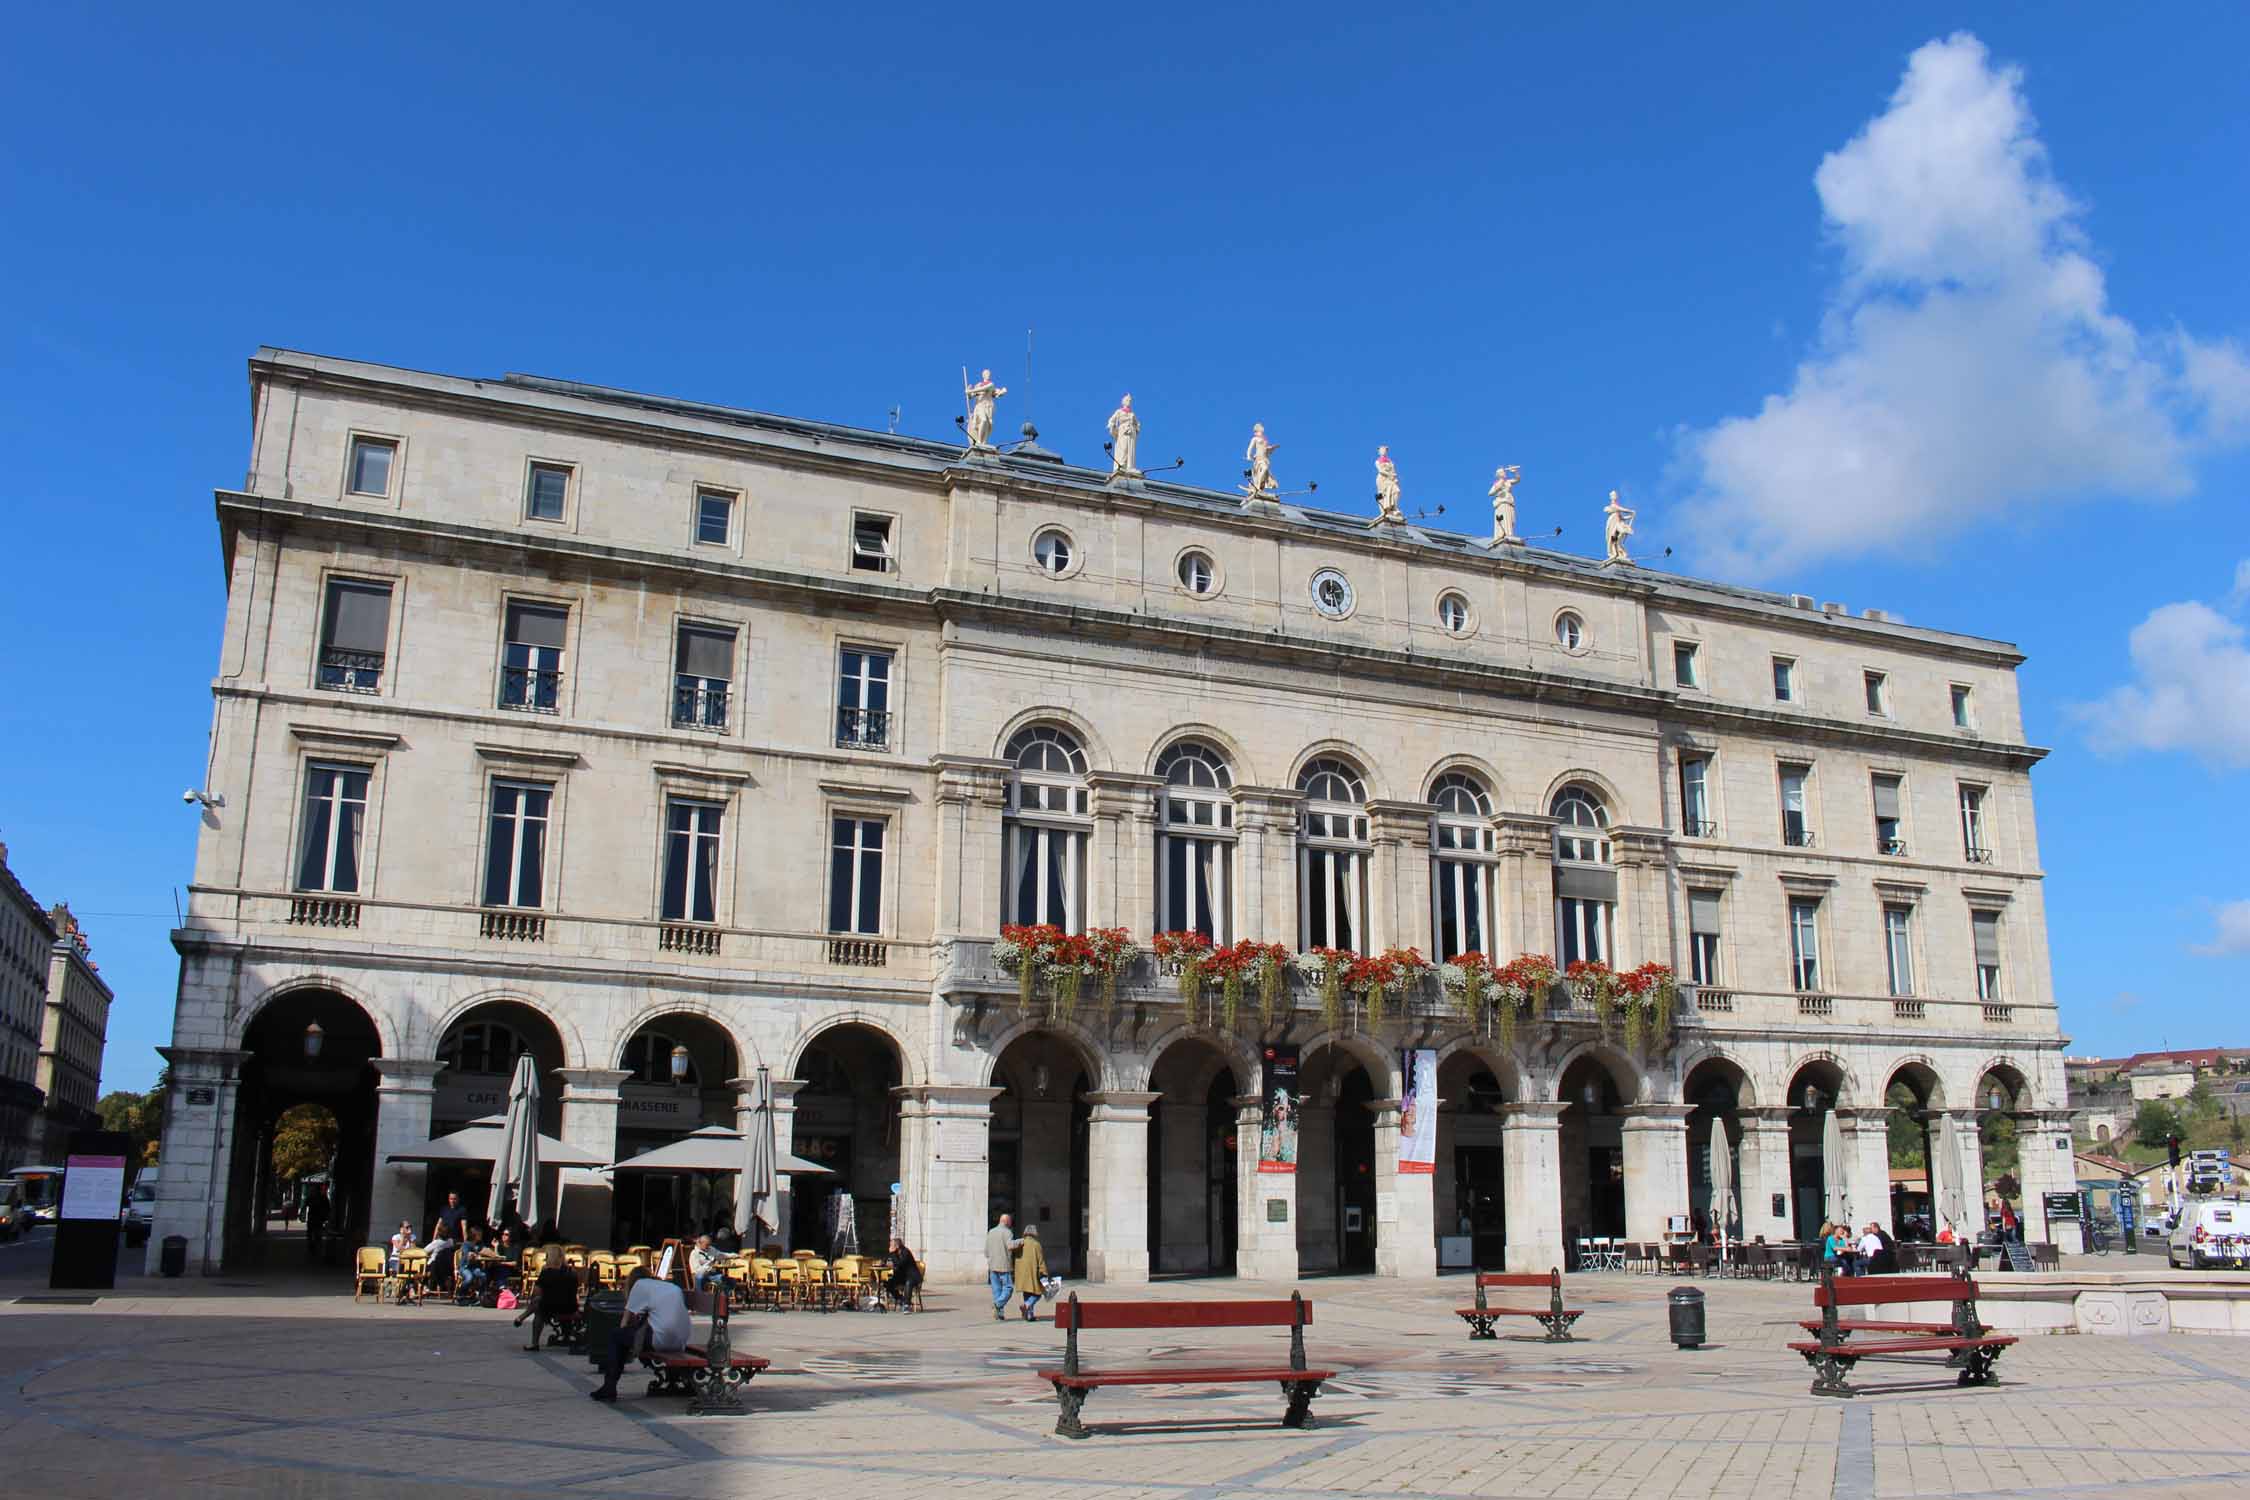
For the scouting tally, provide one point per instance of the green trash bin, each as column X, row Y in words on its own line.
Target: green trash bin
column 603, row 1313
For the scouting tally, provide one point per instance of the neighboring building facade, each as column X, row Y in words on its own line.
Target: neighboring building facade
column 73, row 1031
column 27, row 939
column 663, row 741
column 54, row 1022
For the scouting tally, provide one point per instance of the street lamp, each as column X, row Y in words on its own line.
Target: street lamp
column 1812, row 1099
column 312, row 1042
column 679, row 1064
column 1995, row 1099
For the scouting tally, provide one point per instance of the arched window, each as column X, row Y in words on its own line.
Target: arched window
column 482, row 1047
column 1332, row 854
column 1462, row 851
column 648, row 1057
column 1585, row 885
column 1195, row 842
column 1049, row 818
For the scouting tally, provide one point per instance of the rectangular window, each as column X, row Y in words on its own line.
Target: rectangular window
column 691, row 861
column 1804, row 945
column 531, row 668
column 714, row 517
column 515, row 855
column 1973, row 845
column 855, row 877
column 1796, row 828
column 1695, row 797
column 1582, row 928
column 1464, row 898
column 1192, row 882
column 1984, row 928
column 1875, row 693
column 355, row 632
column 1898, row 947
column 1961, row 715
column 863, row 699
column 871, row 542
column 1890, row 835
column 335, row 817
column 547, row 492
column 1703, row 936
column 369, row 471
column 1684, row 664
column 1784, row 680
column 702, row 675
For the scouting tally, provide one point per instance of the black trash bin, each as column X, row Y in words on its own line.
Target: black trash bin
column 603, row 1314
column 173, row 1261
column 1686, row 1308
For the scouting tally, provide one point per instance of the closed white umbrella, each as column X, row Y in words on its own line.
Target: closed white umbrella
column 1945, row 1176
column 516, row 1170
column 755, row 1193
column 1832, row 1168
column 1722, row 1183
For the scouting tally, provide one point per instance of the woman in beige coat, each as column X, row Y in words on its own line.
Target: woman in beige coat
column 1031, row 1267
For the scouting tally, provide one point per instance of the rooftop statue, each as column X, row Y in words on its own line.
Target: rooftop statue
column 1386, row 489
column 1503, row 493
column 1616, row 526
column 1124, row 440
column 981, row 398
column 1259, row 455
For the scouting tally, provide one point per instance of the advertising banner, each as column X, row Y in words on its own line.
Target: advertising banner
column 1277, row 1130
column 1418, row 1105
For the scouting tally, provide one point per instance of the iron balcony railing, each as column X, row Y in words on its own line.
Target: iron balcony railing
column 1699, row 828
column 699, row 703
column 1800, row 838
column 863, row 728
column 532, row 689
column 351, row 671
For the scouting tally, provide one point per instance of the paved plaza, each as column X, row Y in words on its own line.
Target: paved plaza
column 280, row 1387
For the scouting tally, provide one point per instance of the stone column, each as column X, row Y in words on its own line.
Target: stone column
column 191, row 1191
column 784, row 1140
column 2047, row 1168
column 1401, row 885
column 1117, row 1177
column 1531, row 1184
column 1124, row 852
column 589, row 1122
column 1655, row 1157
column 1405, row 1203
column 402, row 1123
column 1265, row 1235
column 971, row 793
column 945, row 1143
column 1527, row 886
column 1266, row 818
column 1644, row 914
column 1867, row 1150
column 1765, row 1173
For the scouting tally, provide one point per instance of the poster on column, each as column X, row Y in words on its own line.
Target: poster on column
column 1277, row 1126
column 1417, row 1115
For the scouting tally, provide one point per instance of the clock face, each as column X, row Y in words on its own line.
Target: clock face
column 1332, row 593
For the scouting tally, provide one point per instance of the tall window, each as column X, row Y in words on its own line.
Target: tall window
column 1875, row 693
column 1963, row 717
column 1796, row 828
column 1047, row 824
column 1195, row 842
column 1898, row 947
column 1890, row 827
column 871, row 542
column 1703, row 937
column 1332, row 857
column 1984, row 928
column 1974, row 846
column 702, row 670
column 1687, row 669
column 855, row 876
column 714, row 517
column 335, row 815
column 1804, row 944
column 691, row 861
column 1784, row 680
column 355, row 632
column 1695, row 797
column 863, row 699
column 531, row 669
column 515, row 853
column 1585, row 885
column 1462, row 850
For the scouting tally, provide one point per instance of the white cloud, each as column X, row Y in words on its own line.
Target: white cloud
column 2190, row 688
column 2230, row 932
column 1968, row 364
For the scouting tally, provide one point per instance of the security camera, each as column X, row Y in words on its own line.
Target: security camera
column 188, row 795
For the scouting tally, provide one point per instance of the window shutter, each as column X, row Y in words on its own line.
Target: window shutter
column 1886, row 797
column 1703, row 912
column 707, row 653
column 1986, row 926
column 359, row 617
column 1586, row 882
column 536, row 625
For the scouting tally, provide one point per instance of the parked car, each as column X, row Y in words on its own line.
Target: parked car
column 2210, row 1232
column 139, row 1214
column 16, row 1216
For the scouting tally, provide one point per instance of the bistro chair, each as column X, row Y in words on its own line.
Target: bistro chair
column 534, row 1261
column 789, row 1281
column 849, row 1277
column 643, row 1251
column 369, row 1267
column 815, row 1284
column 574, row 1256
column 628, row 1263
column 765, row 1284
column 413, row 1271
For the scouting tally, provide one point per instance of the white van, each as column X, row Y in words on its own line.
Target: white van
column 2210, row 1232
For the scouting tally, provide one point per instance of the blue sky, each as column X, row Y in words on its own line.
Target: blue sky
column 1983, row 368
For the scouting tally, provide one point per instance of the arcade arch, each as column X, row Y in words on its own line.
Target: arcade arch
column 678, row 1067
column 846, row 1120
column 1192, row 1155
column 309, row 1045
column 1038, row 1159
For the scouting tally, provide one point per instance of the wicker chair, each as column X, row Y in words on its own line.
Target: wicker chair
column 369, row 1267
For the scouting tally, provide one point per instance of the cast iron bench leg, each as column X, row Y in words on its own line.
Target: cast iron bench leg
column 1300, row 1393
column 1558, row 1328
column 1480, row 1325
column 1073, row 1399
column 1829, row 1371
column 1976, row 1368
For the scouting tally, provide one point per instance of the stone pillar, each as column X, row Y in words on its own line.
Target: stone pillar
column 945, row 1143
column 402, row 1123
column 1867, row 1150
column 971, row 792
column 784, row 1141
column 1405, row 1203
column 1400, row 890
column 1644, row 913
column 1117, row 1176
column 1531, row 1184
column 1655, row 1157
column 1265, row 1236
column 191, row 1191
column 1527, row 886
column 589, row 1122
column 1266, row 818
column 1765, row 1173
column 2047, row 1168
column 1124, row 851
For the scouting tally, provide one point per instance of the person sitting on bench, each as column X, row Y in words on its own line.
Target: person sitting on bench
column 906, row 1275
column 656, row 1317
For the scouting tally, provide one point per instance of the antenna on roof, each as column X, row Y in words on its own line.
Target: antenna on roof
column 1424, row 515
column 894, row 421
column 1027, row 376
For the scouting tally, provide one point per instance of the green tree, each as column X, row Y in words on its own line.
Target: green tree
column 2202, row 1106
column 304, row 1141
column 1905, row 1139
column 2002, row 1158
column 2157, row 1122
column 140, row 1116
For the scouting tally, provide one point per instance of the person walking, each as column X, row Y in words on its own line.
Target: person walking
column 1031, row 1271
column 1000, row 1263
column 316, row 1222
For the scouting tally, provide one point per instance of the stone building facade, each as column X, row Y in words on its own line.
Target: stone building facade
column 667, row 742
column 27, row 940
column 54, row 1024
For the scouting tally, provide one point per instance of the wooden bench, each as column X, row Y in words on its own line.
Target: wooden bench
column 1969, row 1347
column 1554, row 1317
column 1073, row 1382
column 686, row 1372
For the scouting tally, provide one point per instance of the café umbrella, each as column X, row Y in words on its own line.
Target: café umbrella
column 480, row 1141
column 1832, row 1168
column 755, row 1201
column 714, row 1150
column 516, row 1172
column 1722, row 1184
column 1945, row 1177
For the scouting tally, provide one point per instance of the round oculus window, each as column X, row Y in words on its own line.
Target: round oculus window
column 1453, row 613
column 1051, row 549
column 1197, row 575
column 1570, row 631
column 1332, row 593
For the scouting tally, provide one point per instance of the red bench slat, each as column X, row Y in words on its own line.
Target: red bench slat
column 1864, row 1291
column 1174, row 1375
column 1178, row 1314
column 1905, row 1346
column 1516, row 1278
